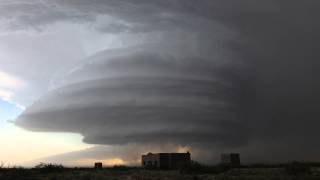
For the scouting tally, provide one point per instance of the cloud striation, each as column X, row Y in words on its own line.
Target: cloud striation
column 225, row 75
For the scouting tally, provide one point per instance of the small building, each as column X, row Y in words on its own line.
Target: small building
column 98, row 165
column 230, row 159
column 165, row 160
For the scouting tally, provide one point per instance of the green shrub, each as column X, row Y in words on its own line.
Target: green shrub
column 120, row 168
column 197, row 168
column 47, row 168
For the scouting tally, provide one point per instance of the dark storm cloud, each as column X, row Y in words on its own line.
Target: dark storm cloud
column 186, row 101
column 132, row 16
column 266, row 92
column 19, row 14
column 130, row 154
column 117, row 16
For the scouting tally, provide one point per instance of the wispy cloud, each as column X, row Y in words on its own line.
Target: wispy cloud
column 8, row 85
column 6, row 95
column 10, row 82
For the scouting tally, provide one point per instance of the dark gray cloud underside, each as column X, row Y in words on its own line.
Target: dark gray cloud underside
column 264, row 96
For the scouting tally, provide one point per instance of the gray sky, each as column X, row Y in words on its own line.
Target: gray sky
column 209, row 75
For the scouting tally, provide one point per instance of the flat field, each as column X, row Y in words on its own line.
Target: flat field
column 140, row 174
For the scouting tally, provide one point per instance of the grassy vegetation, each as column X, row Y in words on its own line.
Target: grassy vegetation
column 196, row 171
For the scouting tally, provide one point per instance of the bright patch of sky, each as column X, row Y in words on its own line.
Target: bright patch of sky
column 19, row 146
column 8, row 111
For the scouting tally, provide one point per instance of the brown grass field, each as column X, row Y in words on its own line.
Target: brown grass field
column 284, row 172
